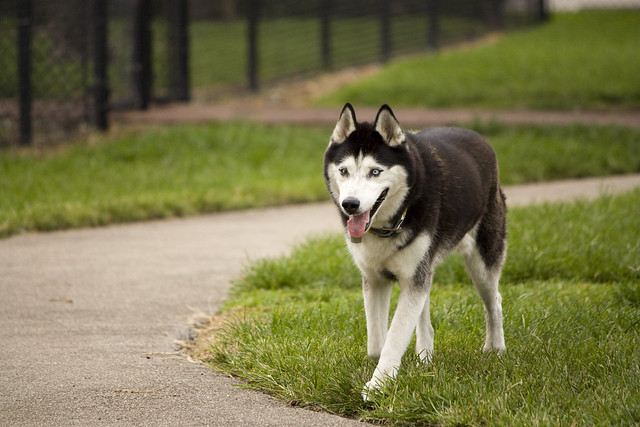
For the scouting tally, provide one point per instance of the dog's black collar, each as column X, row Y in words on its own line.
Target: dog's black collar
column 390, row 232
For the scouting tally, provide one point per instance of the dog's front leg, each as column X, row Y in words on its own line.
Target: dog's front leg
column 410, row 305
column 377, row 297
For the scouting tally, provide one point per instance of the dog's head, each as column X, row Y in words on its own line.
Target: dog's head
column 366, row 169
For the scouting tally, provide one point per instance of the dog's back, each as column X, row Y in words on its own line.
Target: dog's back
column 464, row 184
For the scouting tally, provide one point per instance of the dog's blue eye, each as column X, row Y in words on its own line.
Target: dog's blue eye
column 343, row 171
column 375, row 172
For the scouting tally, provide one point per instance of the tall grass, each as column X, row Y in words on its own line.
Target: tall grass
column 161, row 173
column 571, row 297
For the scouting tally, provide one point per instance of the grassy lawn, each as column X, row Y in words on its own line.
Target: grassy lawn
column 586, row 60
column 295, row 329
column 160, row 173
column 182, row 170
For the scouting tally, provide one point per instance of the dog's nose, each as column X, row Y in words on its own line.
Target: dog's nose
column 350, row 205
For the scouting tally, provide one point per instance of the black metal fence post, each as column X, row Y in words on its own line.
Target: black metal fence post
column 494, row 14
column 253, row 18
column 543, row 12
column 142, row 73
column 325, row 33
column 179, row 63
column 24, row 69
column 385, row 30
column 100, row 79
column 433, row 28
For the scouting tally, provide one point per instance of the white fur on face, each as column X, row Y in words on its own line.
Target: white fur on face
column 360, row 182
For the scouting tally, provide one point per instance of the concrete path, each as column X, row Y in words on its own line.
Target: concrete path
column 89, row 318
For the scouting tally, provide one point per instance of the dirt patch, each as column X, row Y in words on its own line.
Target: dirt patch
column 299, row 92
column 204, row 329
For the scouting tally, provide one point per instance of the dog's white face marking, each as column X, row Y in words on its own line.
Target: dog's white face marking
column 365, row 179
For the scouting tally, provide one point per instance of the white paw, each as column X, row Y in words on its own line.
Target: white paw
column 380, row 376
column 498, row 349
column 425, row 357
column 371, row 388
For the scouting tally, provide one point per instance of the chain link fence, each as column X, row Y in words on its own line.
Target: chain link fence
column 45, row 69
column 254, row 42
column 66, row 63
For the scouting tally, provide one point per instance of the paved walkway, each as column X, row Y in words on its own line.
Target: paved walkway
column 90, row 317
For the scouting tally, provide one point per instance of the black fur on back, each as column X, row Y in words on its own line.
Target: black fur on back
column 459, row 187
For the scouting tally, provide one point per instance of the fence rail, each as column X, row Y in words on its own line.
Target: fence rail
column 66, row 64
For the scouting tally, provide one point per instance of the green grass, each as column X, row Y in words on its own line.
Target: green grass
column 571, row 297
column 585, row 60
column 160, row 173
column 533, row 154
column 183, row 170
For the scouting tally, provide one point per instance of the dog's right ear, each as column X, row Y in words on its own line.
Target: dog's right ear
column 345, row 126
column 388, row 127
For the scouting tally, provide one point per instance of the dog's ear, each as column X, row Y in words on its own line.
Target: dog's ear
column 388, row 127
column 345, row 126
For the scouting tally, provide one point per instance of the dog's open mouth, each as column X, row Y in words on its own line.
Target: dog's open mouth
column 359, row 224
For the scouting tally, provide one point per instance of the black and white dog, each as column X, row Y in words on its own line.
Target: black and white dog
column 407, row 200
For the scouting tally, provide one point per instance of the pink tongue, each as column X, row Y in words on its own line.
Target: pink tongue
column 357, row 224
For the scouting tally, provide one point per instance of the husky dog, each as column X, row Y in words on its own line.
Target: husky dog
column 407, row 200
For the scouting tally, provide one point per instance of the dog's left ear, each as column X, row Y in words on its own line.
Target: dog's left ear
column 388, row 127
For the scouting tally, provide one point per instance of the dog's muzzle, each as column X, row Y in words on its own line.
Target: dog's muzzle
column 359, row 224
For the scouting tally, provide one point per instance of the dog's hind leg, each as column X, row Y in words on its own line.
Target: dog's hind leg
column 485, row 279
column 424, row 334
column 377, row 297
column 484, row 259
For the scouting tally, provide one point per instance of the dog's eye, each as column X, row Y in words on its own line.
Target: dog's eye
column 375, row 172
column 343, row 171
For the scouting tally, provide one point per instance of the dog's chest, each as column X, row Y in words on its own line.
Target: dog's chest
column 379, row 256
